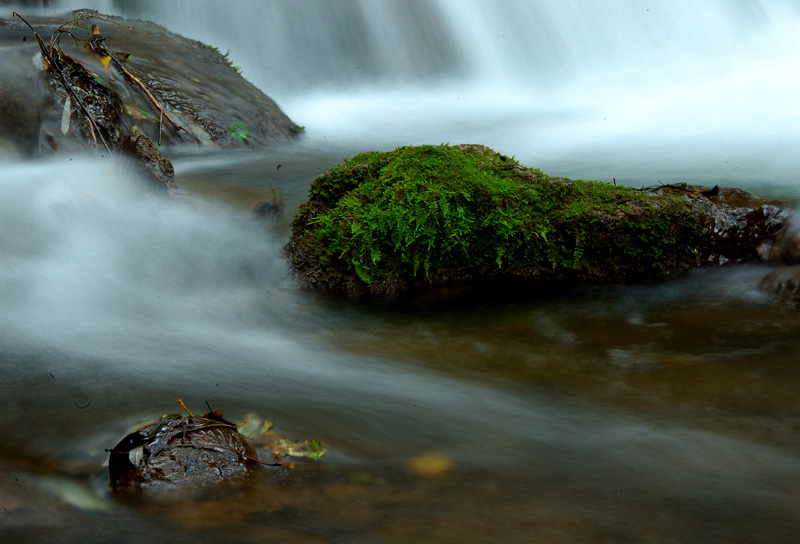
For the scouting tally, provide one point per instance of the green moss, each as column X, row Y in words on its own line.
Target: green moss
column 428, row 214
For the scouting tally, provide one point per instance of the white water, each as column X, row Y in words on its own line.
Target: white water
column 667, row 90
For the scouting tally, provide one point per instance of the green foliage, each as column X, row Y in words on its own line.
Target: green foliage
column 259, row 432
column 418, row 213
column 239, row 130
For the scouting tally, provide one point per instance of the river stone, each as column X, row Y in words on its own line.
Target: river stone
column 741, row 226
column 143, row 158
column 786, row 248
column 785, row 283
column 423, row 217
column 195, row 84
column 179, row 453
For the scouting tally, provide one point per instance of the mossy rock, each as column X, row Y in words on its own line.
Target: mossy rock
column 431, row 215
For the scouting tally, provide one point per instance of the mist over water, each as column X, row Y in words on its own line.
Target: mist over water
column 81, row 238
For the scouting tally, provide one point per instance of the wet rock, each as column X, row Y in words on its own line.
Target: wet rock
column 786, row 248
column 180, row 453
column 195, row 85
column 740, row 224
column 269, row 208
column 149, row 163
column 785, row 283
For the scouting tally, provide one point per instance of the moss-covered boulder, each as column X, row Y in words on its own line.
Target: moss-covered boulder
column 430, row 215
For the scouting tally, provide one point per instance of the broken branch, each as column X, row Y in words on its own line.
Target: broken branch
column 98, row 45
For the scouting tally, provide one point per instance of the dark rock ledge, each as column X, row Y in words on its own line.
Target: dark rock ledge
column 124, row 86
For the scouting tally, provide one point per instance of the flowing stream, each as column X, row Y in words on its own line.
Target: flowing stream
column 649, row 413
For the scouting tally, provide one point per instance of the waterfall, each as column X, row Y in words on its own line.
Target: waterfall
column 310, row 43
column 289, row 47
column 706, row 84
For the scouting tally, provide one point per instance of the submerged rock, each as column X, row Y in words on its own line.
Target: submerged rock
column 421, row 217
column 144, row 158
column 785, row 283
column 187, row 453
column 786, row 248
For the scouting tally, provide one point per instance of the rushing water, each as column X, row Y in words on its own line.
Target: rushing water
column 656, row 413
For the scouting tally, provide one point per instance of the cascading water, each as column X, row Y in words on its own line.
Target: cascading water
column 663, row 91
column 662, row 413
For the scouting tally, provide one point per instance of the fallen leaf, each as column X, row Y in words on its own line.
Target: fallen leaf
column 66, row 115
column 239, row 130
column 135, row 455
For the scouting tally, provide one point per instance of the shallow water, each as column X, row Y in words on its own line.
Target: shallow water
column 651, row 413
column 661, row 412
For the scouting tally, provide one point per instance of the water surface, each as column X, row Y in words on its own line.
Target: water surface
column 652, row 413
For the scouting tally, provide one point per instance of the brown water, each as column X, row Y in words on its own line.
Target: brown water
column 651, row 413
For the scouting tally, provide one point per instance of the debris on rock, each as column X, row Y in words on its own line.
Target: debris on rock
column 196, row 451
column 178, row 453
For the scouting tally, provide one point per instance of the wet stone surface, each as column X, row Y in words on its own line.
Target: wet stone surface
column 784, row 282
column 180, row 453
column 741, row 226
column 193, row 82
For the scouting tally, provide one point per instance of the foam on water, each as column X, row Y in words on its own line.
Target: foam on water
column 88, row 254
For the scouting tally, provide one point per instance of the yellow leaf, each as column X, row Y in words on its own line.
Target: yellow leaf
column 255, row 428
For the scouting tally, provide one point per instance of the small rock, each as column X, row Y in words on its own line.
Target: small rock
column 786, row 248
column 784, row 282
column 179, row 453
